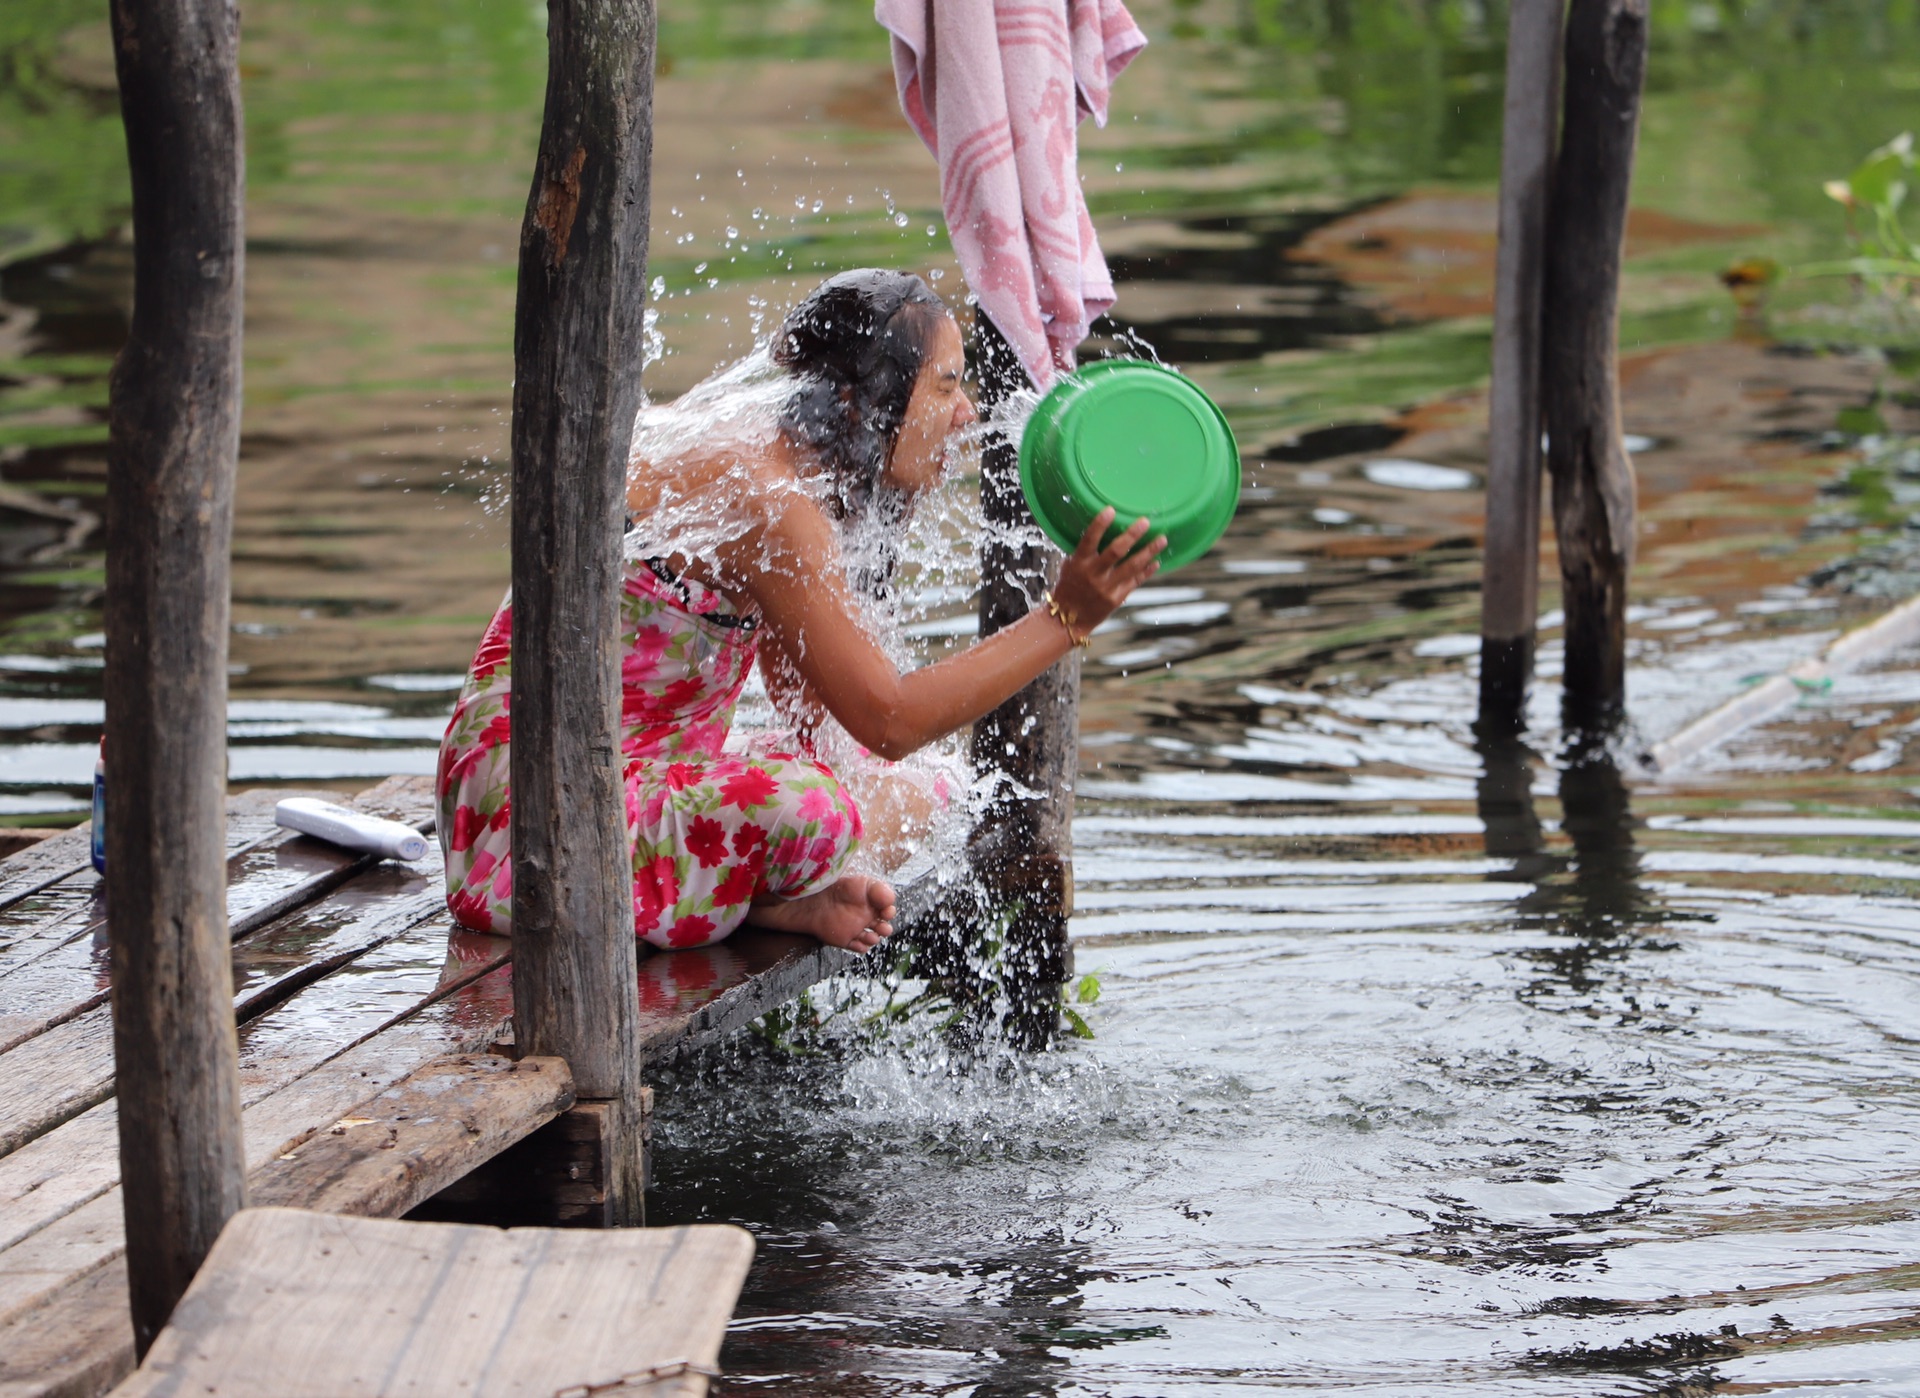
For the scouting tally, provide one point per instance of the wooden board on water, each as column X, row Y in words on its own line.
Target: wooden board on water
column 340, row 998
column 689, row 998
column 65, row 1211
column 300, row 1305
column 380, row 1155
column 412, row 1140
column 68, row 1069
column 66, row 1167
column 55, row 968
column 47, row 862
column 692, row 997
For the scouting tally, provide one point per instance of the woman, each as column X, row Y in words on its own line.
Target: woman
column 751, row 496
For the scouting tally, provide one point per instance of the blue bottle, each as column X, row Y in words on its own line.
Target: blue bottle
column 100, row 809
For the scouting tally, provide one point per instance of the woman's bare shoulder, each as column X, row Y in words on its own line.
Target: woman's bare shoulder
column 746, row 508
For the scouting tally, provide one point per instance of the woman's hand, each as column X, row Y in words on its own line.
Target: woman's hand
column 1094, row 581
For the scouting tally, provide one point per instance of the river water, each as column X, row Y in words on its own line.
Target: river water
column 1416, row 1067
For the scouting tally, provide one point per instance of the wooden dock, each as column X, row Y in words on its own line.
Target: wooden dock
column 376, row 1065
column 296, row 1304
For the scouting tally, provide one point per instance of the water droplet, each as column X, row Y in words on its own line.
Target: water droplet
column 900, row 220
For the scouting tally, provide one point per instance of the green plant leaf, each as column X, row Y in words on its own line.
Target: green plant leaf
column 1088, row 991
column 1881, row 180
column 1078, row 1025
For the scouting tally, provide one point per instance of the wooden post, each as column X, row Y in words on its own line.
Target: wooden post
column 1593, row 488
column 175, row 415
column 1022, row 854
column 1510, row 584
column 577, row 351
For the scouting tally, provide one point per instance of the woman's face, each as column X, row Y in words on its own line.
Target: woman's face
column 939, row 406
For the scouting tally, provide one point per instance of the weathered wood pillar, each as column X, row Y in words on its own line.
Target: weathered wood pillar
column 1022, row 854
column 1510, row 583
column 1593, row 488
column 175, row 415
column 577, row 351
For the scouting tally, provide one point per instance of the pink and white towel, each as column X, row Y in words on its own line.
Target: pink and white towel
column 995, row 88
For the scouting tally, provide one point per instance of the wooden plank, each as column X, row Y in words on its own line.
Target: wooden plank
column 1862, row 646
column 422, row 994
column 69, row 1068
column 693, row 997
column 1510, row 584
column 467, row 1014
column 1593, row 484
column 75, row 907
column 79, row 1345
column 417, row 1137
column 685, row 999
column 380, row 1158
column 579, row 322
column 293, row 1304
column 48, row 862
column 56, row 1195
column 57, row 1076
column 271, row 871
column 556, row 1178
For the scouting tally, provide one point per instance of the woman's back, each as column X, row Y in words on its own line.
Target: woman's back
column 685, row 655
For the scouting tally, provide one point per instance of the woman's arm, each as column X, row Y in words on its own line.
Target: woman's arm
column 791, row 570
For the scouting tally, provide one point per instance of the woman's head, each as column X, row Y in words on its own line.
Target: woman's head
column 875, row 352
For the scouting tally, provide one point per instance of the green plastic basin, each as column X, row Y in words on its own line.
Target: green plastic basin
column 1141, row 438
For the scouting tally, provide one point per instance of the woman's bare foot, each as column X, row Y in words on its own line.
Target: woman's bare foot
column 856, row 913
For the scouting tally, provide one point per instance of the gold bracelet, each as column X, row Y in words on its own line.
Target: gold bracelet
column 1065, row 618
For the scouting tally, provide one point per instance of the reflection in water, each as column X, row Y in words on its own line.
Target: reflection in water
column 1590, row 901
column 1605, row 899
column 1504, row 795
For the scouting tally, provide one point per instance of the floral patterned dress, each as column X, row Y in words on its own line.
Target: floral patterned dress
column 710, row 830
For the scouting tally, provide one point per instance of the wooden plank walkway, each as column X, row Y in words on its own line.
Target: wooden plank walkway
column 437, row 1308
column 365, row 1017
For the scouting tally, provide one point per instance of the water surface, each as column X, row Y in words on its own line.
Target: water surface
column 1417, row 1067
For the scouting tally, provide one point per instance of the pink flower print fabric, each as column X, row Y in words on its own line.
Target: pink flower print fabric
column 709, row 837
column 710, row 831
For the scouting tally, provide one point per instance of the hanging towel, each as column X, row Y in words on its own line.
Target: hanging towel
column 995, row 88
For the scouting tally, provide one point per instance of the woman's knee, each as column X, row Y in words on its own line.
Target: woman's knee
column 813, row 829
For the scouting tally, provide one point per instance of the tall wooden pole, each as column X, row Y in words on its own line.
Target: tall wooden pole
column 1022, row 853
column 1510, row 585
column 1593, row 487
column 175, row 415
column 577, row 350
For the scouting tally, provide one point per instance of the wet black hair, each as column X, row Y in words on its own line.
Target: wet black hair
column 856, row 344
